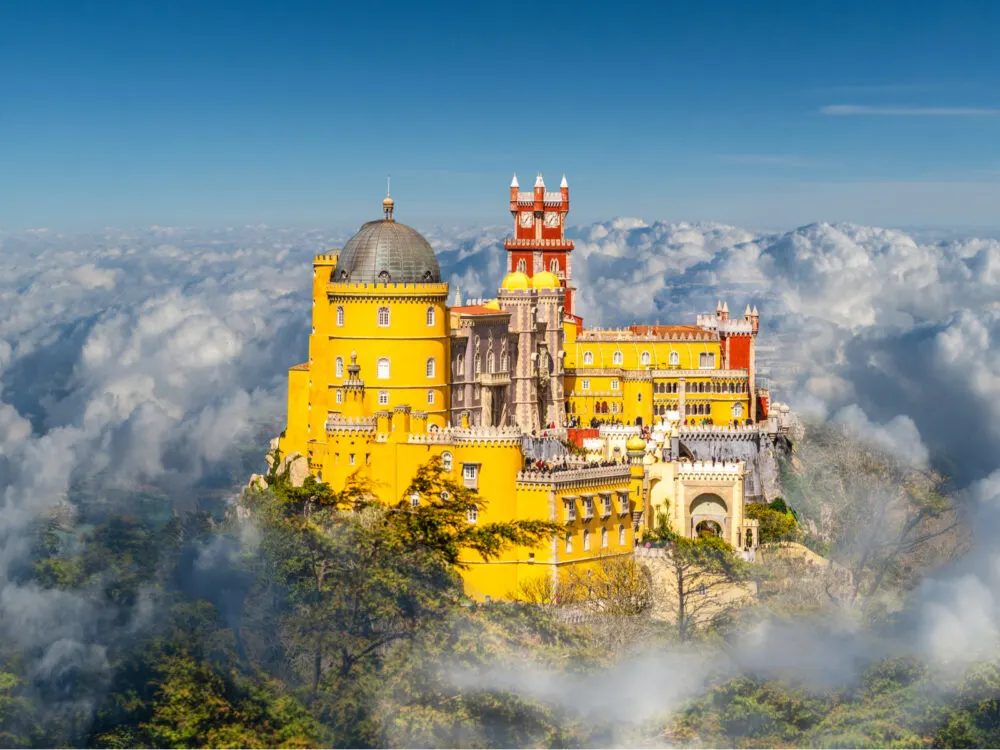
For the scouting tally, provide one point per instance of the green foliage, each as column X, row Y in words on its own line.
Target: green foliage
column 777, row 523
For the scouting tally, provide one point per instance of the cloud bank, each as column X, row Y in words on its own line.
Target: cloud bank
column 154, row 357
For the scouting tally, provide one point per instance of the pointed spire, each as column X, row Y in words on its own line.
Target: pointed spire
column 539, row 182
column 564, row 184
column 718, row 306
column 458, row 292
column 754, row 310
column 513, row 183
column 387, row 203
column 725, row 307
column 746, row 313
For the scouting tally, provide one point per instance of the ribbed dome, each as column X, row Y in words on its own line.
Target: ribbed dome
column 386, row 252
column 545, row 280
column 514, row 280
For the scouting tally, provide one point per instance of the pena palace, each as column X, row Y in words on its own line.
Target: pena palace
column 600, row 430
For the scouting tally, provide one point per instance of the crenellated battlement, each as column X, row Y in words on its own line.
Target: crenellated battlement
column 709, row 470
column 577, row 477
column 325, row 259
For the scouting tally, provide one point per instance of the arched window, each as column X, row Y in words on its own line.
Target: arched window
column 675, row 358
column 415, row 500
column 478, row 364
column 644, row 358
column 588, row 358
column 586, row 539
column 569, row 542
column 446, row 461
column 737, row 410
column 460, row 365
column 383, row 368
column 431, row 367
column 604, row 537
column 504, row 363
column 617, row 358
column 339, row 367
column 383, row 317
column 554, row 266
column 621, row 535
column 340, row 315
column 430, row 316
column 473, row 513
column 490, row 363
column 522, row 266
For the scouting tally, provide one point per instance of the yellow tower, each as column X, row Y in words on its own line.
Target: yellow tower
column 379, row 339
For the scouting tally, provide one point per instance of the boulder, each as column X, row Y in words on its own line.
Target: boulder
column 297, row 467
column 257, row 482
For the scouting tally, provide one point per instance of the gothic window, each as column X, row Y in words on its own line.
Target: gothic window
column 617, row 358
column 604, row 537
column 621, row 535
column 340, row 367
column 446, row 461
column 586, row 539
column 504, row 363
column 383, row 317
column 460, row 365
column 644, row 358
column 588, row 358
column 431, row 367
column 737, row 410
column 490, row 363
column 569, row 542
column 340, row 315
column 522, row 265
column 675, row 358
column 478, row 364
column 383, row 398
column 340, row 396
column 382, row 368
column 430, row 316
column 430, row 397
column 473, row 514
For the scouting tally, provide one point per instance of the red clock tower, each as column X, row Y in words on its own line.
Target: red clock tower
column 539, row 242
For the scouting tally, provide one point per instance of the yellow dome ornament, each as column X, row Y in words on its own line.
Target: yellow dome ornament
column 515, row 281
column 545, row 280
column 635, row 444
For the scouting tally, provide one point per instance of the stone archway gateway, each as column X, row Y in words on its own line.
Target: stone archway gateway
column 708, row 512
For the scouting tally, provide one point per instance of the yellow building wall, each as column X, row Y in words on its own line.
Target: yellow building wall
column 603, row 353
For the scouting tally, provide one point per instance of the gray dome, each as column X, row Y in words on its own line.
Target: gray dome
column 385, row 252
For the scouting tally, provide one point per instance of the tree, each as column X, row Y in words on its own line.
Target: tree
column 776, row 524
column 889, row 520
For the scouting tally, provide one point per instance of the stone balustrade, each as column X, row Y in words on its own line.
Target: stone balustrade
column 599, row 474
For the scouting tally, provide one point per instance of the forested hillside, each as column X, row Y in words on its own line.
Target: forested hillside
column 307, row 617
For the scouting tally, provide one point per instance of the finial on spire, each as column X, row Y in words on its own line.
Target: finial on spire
column 564, row 184
column 388, row 203
column 513, row 183
column 539, row 182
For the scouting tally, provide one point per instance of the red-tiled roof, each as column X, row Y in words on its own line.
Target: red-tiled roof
column 665, row 331
column 476, row 310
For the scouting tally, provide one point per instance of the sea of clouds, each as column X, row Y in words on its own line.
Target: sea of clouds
column 151, row 358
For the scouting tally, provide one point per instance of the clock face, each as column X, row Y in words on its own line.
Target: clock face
column 551, row 219
column 527, row 219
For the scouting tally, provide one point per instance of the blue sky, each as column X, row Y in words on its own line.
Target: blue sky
column 761, row 114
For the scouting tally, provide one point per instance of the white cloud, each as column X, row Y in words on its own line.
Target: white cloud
column 864, row 109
